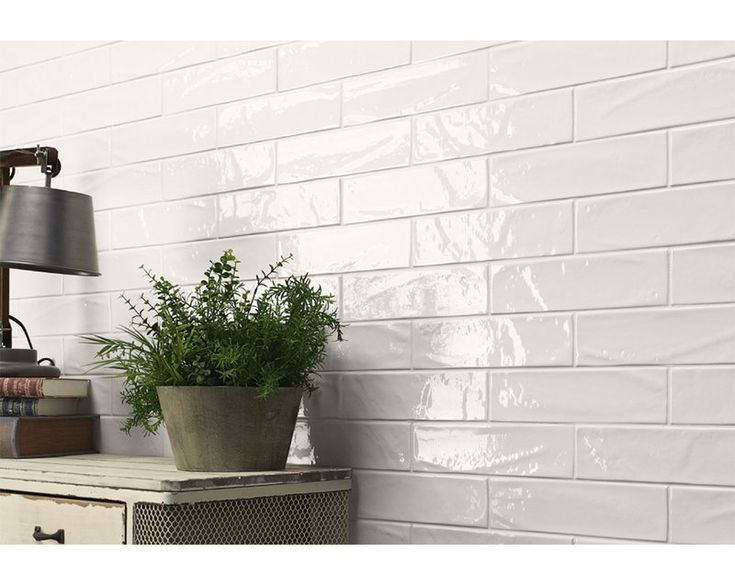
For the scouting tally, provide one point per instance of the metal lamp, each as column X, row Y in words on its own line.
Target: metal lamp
column 41, row 229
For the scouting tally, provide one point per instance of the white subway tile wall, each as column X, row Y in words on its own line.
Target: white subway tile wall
column 533, row 244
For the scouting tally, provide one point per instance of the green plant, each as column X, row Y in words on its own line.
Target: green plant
column 221, row 333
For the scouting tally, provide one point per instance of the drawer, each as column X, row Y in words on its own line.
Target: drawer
column 83, row 521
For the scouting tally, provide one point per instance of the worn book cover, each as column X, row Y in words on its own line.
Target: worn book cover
column 28, row 437
column 22, row 407
column 36, row 388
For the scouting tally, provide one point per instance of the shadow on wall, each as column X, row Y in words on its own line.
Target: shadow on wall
column 321, row 441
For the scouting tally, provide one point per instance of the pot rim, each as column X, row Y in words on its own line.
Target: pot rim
column 226, row 388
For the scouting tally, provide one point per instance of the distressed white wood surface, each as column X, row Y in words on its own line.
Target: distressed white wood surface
column 152, row 473
column 83, row 521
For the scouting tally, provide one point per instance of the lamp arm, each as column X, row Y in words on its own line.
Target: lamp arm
column 7, row 331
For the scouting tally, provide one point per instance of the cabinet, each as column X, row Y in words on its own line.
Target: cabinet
column 100, row 498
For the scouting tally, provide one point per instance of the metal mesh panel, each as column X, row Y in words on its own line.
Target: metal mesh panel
column 319, row 517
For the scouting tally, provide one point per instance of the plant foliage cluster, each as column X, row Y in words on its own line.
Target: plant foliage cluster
column 221, row 333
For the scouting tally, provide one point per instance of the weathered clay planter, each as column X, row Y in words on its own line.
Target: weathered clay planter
column 229, row 429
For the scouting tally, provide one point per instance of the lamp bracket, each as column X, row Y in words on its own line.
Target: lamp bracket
column 39, row 156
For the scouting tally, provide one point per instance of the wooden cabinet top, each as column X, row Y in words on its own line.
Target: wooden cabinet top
column 148, row 473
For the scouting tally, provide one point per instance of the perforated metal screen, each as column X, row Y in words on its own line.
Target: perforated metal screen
column 316, row 518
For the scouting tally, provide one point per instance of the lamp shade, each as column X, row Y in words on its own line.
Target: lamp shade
column 45, row 229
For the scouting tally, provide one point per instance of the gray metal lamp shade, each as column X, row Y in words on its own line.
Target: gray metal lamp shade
column 45, row 229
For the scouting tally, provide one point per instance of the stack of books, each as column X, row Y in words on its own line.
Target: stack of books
column 39, row 417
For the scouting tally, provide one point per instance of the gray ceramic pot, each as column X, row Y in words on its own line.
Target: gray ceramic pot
column 229, row 429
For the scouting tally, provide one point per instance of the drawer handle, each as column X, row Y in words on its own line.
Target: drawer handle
column 39, row 535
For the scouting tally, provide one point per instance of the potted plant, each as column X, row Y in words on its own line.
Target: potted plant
column 222, row 365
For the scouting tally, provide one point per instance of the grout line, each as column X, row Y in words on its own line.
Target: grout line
column 668, row 514
column 575, row 339
column 488, row 396
column 669, row 159
column 574, row 451
column 574, row 115
column 669, row 397
column 669, row 277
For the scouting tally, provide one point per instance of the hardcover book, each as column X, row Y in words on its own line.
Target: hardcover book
column 28, row 437
column 36, row 388
column 22, row 407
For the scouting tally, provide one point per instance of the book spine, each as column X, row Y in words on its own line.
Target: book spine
column 21, row 387
column 9, row 437
column 17, row 407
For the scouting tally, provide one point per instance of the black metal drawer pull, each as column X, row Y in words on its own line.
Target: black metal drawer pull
column 39, row 535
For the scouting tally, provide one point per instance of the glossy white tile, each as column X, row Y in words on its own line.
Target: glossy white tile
column 111, row 105
column 41, row 121
column 702, row 515
column 657, row 100
column 220, row 170
column 656, row 454
column 425, row 50
column 657, row 336
column 608, row 166
column 415, row 190
column 103, row 230
column 84, row 152
column 120, row 271
column 306, row 63
column 703, row 275
column 99, row 398
column 77, row 356
column 520, row 68
column 380, row 532
column 454, row 500
column 583, row 508
column 19, row 53
column 285, row 207
column 537, row 230
column 619, row 395
column 412, row 293
column 703, row 395
column 449, row 396
column 34, row 284
column 374, row 445
column 677, row 216
column 344, row 151
column 138, row 58
column 184, row 264
column 163, row 137
column 585, row 282
column 112, row 440
column 703, row 153
column 71, row 314
column 606, row 541
column 372, row 346
column 324, row 403
column 191, row 219
column 345, row 249
column 224, row 80
column 58, row 77
column 493, row 341
column 230, row 48
column 117, row 187
column 448, row 134
column 683, row 52
column 410, row 90
column 509, row 450
column 278, row 115
column 443, row 535
column 530, row 121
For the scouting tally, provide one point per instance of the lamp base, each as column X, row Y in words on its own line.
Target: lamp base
column 24, row 362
